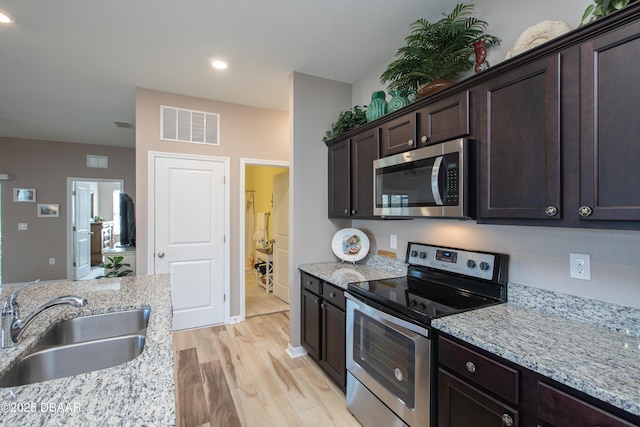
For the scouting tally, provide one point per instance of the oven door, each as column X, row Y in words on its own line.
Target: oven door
column 391, row 358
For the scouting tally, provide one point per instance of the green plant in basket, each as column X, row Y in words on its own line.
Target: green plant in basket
column 438, row 50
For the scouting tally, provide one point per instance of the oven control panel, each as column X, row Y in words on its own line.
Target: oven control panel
column 475, row 264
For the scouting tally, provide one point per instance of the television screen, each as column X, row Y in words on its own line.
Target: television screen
column 127, row 221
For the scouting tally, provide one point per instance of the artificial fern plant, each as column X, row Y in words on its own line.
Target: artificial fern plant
column 440, row 50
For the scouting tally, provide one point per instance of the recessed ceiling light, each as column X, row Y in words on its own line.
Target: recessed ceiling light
column 220, row 65
column 5, row 18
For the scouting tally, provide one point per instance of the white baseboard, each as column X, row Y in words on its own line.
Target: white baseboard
column 235, row 319
column 295, row 352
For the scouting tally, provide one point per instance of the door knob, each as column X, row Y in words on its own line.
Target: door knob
column 160, row 254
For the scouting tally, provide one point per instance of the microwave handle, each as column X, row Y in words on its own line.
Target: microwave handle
column 435, row 187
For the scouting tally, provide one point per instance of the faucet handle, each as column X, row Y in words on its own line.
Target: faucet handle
column 15, row 293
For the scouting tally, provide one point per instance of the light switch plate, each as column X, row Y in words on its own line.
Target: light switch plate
column 393, row 241
column 23, row 226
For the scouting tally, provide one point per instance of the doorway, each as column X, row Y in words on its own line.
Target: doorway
column 92, row 205
column 262, row 254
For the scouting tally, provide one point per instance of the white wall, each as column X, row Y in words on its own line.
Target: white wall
column 315, row 104
column 539, row 256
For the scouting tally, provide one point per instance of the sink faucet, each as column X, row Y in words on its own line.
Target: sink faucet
column 13, row 326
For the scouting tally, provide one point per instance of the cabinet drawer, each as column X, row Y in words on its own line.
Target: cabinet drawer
column 493, row 376
column 560, row 409
column 334, row 295
column 311, row 283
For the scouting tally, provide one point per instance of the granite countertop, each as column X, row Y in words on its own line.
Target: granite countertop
column 372, row 267
column 599, row 361
column 139, row 392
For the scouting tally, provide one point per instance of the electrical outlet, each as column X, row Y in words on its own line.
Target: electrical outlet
column 580, row 266
column 52, row 261
column 393, row 241
column 23, row 226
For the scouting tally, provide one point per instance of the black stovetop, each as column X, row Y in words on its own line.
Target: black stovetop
column 440, row 282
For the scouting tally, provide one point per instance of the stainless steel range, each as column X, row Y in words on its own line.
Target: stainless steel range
column 390, row 363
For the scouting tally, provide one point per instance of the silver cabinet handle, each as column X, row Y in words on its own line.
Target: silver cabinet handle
column 424, row 138
column 507, row 420
column 353, row 212
column 332, row 294
column 471, row 367
column 160, row 254
column 585, row 211
column 551, row 211
column 410, row 143
column 346, row 211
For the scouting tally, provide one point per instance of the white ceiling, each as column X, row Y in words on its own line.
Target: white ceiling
column 69, row 68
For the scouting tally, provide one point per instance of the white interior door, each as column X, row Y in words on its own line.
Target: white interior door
column 81, row 229
column 281, row 235
column 189, row 237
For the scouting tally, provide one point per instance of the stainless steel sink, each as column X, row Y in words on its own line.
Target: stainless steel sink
column 73, row 359
column 82, row 345
column 97, row 327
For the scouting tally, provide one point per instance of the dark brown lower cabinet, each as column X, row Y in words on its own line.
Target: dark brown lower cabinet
column 478, row 389
column 556, row 408
column 311, row 318
column 462, row 405
column 324, row 326
column 333, row 343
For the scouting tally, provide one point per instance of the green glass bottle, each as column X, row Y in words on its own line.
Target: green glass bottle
column 377, row 107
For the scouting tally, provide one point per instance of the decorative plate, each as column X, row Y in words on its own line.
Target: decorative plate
column 350, row 244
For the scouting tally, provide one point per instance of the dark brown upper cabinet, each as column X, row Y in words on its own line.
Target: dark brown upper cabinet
column 351, row 175
column 398, row 135
column 609, row 127
column 444, row 120
column 520, row 143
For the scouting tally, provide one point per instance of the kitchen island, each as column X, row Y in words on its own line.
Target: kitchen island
column 587, row 345
column 139, row 392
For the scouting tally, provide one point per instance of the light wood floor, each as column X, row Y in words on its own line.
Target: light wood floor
column 239, row 375
column 257, row 301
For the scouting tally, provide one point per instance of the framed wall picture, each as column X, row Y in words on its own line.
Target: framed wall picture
column 24, row 194
column 48, row 210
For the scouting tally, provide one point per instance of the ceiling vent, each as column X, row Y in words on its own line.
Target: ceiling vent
column 198, row 127
column 124, row 125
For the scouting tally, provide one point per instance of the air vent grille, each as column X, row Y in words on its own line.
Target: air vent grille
column 178, row 124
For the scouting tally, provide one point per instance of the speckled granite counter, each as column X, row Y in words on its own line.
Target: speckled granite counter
column 137, row 393
column 597, row 360
column 372, row 267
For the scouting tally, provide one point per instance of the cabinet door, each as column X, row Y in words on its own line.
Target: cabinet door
column 398, row 135
column 311, row 326
column 520, row 143
column 610, row 130
column 461, row 405
column 556, row 408
column 444, row 120
column 365, row 148
column 334, row 343
column 339, row 180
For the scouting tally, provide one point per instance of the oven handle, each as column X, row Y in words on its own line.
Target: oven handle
column 386, row 319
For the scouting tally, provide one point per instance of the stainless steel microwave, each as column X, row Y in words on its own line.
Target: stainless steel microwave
column 427, row 182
